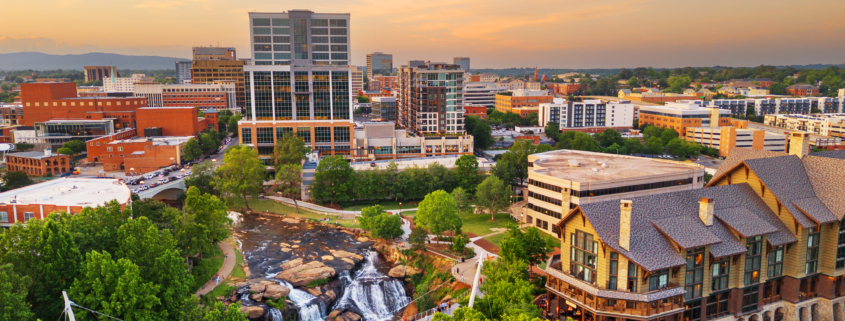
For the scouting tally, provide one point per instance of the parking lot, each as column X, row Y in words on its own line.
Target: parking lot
column 141, row 182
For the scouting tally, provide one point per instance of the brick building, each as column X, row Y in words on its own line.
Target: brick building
column 175, row 121
column 221, row 95
column 48, row 101
column 522, row 102
column 380, row 82
column 682, row 115
column 802, row 90
column 66, row 194
column 567, row 89
column 36, row 164
column 144, row 154
column 477, row 111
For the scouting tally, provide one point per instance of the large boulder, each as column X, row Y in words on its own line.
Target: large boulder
column 276, row 291
column 257, row 288
column 256, row 297
column 401, row 271
column 349, row 316
column 253, row 312
column 341, row 254
column 291, row 264
column 303, row 274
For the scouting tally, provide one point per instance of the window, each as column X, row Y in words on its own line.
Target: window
column 261, row 39
column 264, row 135
column 338, row 23
column 281, row 22
column 261, row 22
column 583, row 255
column 721, row 274
column 261, row 48
column 339, row 47
column 281, row 31
column 693, row 311
column 4, row 217
column 322, row 134
column 281, row 55
column 341, row 134
column 281, row 47
column 263, row 55
column 694, row 274
column 261, row 31
column 658, row 280
column 754, row 246
column 840, row 246
column 319, row 22
column 315, row 39
column 281, row 39
column 338, row 32
column 632, row 277
column 812, row 264
column 319, row 47
column 338, row 39
column 28, row 216
column 304, row 133
column 119, row 148
column 614, row 268
column 246, row 135
column 319, row 32
column 320, row 56
column 776, row 262
column 282, row 131
column 750, row 296
column 108, row 149
column 717, row 305
column 771, row 289
column 339, row 56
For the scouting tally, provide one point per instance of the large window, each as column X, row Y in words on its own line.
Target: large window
column 28, row 216
column 341, row 134
column 717, row 305
column 693, row 311
column 4, row 217
column 812, row 264
column 282, row 131
column 282, row 95
column 775, row 262
column 322, row 95
column 658, row 280
column 246, row 135
column 771, row 289
column 304, row 133
column 583, row 251
column 695, row 273
column 721, row 270
column 632, row 276
column 323, row 134
column 840, row 246
column 753, row 255
column 264, row 135
column 263, row 95
column 340, row 95
column 613, row 271
column 750, row 296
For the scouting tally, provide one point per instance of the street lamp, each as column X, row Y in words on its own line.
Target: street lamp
column 400, row 208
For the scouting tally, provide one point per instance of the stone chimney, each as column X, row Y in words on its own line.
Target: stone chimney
column 625, row 225
column 705, row 210
column 799, row 144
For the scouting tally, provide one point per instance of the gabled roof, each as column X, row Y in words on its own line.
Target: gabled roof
column 827, row 176
column 815, row 209
column 743, row 222
column 655, row 224
column 785, row 177
column 837, row 154
column 738, row 155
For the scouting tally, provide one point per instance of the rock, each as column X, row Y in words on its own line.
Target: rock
column 343, row 254
column 276, row 291
column 295, row 247
column 290, row 220
column 256, row 296
column 333, row 315
column 267, row 283
column 349, row 316
column 304, row 274
column 401, row 271
column 257, row 288
column 253, row 312
column 347, row 260
column 315, row 291
column 297, row 241
column 284, row 245
column 327, row 257
column 286, row 249
column 220, row 298
column 363, row 239
column 332, row 296
column 291, row 264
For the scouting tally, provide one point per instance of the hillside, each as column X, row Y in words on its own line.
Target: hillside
column 42, row 61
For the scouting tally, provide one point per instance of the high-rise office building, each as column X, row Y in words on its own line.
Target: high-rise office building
column 300, row 38
column 183, row 71
column 431, row 98
column 214, row 64
column 379, row 64
column 357, row 80
column 94, row 73
column 463, row 62
column 302, row 85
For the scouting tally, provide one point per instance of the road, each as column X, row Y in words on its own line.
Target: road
column 218, row 157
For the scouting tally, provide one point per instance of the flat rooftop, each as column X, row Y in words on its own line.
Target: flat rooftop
column 559, row 164
column 157, row 140
column 34, row 155
column 69, row 192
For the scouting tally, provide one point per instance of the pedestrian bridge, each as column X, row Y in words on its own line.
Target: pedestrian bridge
column 168, row 191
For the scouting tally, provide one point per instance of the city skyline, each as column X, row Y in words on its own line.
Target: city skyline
column 494, row 34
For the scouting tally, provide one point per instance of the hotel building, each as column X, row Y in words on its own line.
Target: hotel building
column 431, row 98
column 591, row 115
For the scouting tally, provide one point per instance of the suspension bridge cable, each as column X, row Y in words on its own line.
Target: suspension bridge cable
column 92, row 311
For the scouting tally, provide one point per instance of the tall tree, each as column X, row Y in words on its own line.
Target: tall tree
column 290, row 150
column 192, row 150
column 16, row 179
column 462, row 201
column 493, row 195
column 552, row 130
column 114, row 288
column 210, row 212
column 202, row 177
column 221, row 312
column 481, row 133
column 332, row 180
column 13, row 291
column 289, row 182
column 242, row 174
column 668, row 135
column 438, row 213
column 380, row 224
column 609, row 137
column 466, row 172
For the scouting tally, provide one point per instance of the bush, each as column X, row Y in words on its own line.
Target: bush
column 316, row 283
column 278, row 304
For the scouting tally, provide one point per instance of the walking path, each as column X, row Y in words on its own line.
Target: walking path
column 329, row 210
column 225, row 270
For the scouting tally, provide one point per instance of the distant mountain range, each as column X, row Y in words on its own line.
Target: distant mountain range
column 42, row 61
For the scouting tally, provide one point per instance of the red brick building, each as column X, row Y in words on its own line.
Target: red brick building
column 370, row 94
column 567, row 89
column 37, row 164
column 46, row 101
column 175, row 121
column 97, row 147
column 477, row 111
column 802, row 90
column 380, row 82
column 143, row 154
column 68, row 194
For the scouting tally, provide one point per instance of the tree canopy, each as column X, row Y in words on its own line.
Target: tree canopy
column 332, row 180
column 493, row 195
column 290, row 150
column 438, row 213
column 241, row 175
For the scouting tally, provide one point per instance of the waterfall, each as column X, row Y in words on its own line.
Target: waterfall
column 375, row 295
column 245, row 297
column 276, row 315
column 308, row 309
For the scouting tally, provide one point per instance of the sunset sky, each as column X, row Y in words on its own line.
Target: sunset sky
column 494, row 33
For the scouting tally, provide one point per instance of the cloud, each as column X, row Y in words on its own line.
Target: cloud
column 41, row 44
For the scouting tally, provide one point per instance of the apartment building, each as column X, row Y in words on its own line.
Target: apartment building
column 211, row 65
column 431, row 98
column 52, row 101
column 300, row 38
column 384, row 109
column 382, row 140
column 463, row 62
column 489, row 77
column 379, row 82
column 683, row 114
column 522, row 102
column 761, row 242
column 94, row 73
column 183, row 72
column 802, row 90
column 560, row 181
column 38, row 164
column 513, row 84
column 379, row 64
column 727, row 138
column 482, row 93
column 219, row 96
column 590, row 115
column 357, row 79
column 831, row 125
column 124, row 84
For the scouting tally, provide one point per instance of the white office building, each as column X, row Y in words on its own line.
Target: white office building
column 300, row 38
column 482, row 93
column 124, row 84
column 591, row 115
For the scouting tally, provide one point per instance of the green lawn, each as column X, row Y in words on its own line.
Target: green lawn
column 496, row 239
column 272, row 206
column 388, row 205
column 480, row 224
column 412, row 213
column 207, row 267
column 554, row 240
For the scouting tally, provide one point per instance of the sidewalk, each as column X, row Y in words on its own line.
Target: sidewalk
column 323, row 209
column 225, row 270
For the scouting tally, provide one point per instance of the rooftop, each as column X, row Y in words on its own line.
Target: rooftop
column 157, row 141
column 34, row 155
column 69, row 192
column 600, row 166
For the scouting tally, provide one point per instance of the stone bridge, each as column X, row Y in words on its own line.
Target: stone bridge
column 168, row 191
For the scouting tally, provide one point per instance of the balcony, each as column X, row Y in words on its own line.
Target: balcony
column 600, row 299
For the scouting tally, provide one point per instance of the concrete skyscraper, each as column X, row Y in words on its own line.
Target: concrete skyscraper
column 463, row 62
column 379, row 64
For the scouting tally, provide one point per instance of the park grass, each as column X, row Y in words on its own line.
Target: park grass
column 224, row 289
column 207, row 267
column 480, row 224
column 496, row 239
column 387, row 205
column 266, row 205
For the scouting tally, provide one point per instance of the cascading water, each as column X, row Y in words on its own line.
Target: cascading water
column 276, row 315
column 309, row 310
column 374, row 295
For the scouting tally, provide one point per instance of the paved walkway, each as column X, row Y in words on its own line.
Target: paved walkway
column 225, row 270
column 329, row 210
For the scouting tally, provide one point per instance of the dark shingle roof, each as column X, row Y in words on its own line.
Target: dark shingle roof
column 815, row 209
column 838, row 154
column 744, row 222
column 738, row 155
column 650, row 249
column 687, row 231
column 785, row 177
column 827, row 176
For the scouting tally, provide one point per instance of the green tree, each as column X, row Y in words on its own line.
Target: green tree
column 210, row 212
column 16, row 179
column 76, row 146
column 241, row 175
column 290, row 149
column 232, row 126
column 481, row 133
column 668, row 135
column 530, row 119
column 493, row 195
column 609, row 137
column 114, row 288
column 209, row 142
column 192, row 150
column 220, row 312
column 289, row 182
column 58, row 264
column 461, row 314
column 529, row 246
column 633, row 145
column 652, row 131
column 653, row 145
column 507, row 290
column 633, row 82
column 379, row 223
column 585, row 142
column 677, row 84
column 65, row 151
column 13, row 291
column 22, row 147
column 333, row 180
column 417, row 238
column 676, row 147
column 552, row 130
column 363, row 99
column 202, row 177
column 462, row 201
column 438, row 213
column 466, row 172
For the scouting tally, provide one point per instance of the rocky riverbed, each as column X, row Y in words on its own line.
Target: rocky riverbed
column 307, row 271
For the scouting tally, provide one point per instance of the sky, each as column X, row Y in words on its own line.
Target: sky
column 493, row 33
